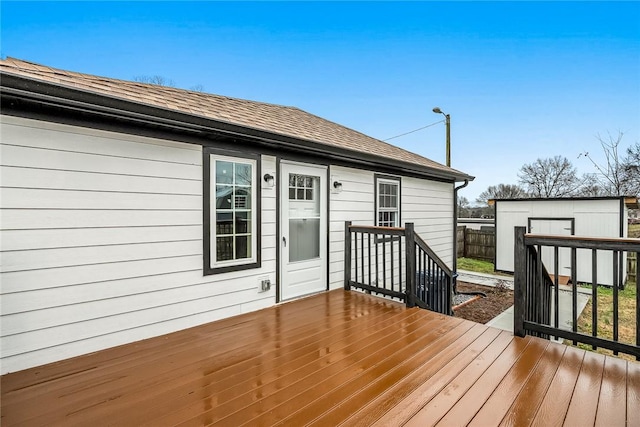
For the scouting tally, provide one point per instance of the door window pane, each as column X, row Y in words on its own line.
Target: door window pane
column 304, row 236
column 301, row 187
column 304, row 217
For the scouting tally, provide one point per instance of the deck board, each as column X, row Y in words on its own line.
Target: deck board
column 633, row 394
column 369, row 411
column 584, row 401
column 337, row 358
column 612, row 402
column 439, row 406
column 556, row 401
column 527, row 402
column 470, row 403
column 497, row 405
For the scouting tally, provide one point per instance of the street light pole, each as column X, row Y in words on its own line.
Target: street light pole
column 447, row 123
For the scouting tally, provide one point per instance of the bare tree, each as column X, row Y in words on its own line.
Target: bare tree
column 550, row 177
column 617, row 176
column 155, row 80
column 463, row 207
column 631, row 170
column 162, row 81
column 501, row 191
column 590, row 187
column 609, row 175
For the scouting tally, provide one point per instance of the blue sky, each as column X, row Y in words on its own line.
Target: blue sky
column 520, row 80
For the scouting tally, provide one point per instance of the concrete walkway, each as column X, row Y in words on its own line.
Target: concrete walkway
column 484, row 279
column 505, row 319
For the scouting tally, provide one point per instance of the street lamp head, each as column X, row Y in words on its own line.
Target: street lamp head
column 447, row 123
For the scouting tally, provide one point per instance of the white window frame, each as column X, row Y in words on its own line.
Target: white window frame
column 379, row 209
column 227, row 265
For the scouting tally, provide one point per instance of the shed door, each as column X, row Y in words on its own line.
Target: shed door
column 554, row 227
column 303, row 230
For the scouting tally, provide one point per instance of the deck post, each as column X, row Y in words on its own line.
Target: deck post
column 347, row 256
column 519, row 282
column 410, row 253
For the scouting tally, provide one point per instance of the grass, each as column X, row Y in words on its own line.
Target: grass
column 626, row 317
column 475, row 265
column 478, row 266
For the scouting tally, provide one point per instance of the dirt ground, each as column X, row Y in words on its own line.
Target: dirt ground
column 484, row 309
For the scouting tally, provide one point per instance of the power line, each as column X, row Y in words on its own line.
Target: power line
column 416, row 130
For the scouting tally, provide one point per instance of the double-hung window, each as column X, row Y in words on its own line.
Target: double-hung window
column 387, row 201
column 232, row 225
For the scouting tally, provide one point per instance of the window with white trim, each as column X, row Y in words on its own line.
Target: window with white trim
column 233, row 239
column 387, row 202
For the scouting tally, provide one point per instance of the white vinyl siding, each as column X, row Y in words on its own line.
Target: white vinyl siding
column 355, row 203
column 102, row 242
column 428, row 204
column 102, row 239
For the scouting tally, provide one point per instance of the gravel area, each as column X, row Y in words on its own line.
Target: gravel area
column 461, row 298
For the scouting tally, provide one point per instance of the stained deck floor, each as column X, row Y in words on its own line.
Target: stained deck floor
column 338, row 358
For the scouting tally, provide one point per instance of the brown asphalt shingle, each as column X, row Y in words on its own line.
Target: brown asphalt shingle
column 289, row 121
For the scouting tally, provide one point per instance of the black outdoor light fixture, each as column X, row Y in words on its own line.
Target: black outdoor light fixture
column 337, row 185
column 447, row 122
column 268, row 178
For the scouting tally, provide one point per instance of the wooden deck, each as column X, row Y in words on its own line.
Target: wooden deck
column 338, row 358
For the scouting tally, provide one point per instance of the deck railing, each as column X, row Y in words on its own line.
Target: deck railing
column 397, row 263
column 537, row 293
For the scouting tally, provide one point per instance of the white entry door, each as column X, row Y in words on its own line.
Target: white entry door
column 303, row 229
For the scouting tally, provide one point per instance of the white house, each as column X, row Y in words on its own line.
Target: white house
column 132, row 210
column 586, row 217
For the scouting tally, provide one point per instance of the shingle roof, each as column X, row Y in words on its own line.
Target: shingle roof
column 283, row 120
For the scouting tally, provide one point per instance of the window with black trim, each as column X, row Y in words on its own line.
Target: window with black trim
column 387, row 201
column 232, row 206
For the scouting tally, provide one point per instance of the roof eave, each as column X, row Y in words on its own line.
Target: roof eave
column 60, row 95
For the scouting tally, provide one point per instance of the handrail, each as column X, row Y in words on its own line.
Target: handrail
column 432, row 255
column 403, row 267
column 386, row 230
column 578, row 242
column 601, row 262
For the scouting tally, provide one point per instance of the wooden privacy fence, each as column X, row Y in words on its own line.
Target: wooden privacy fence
column 632, row 267
column 477, row 244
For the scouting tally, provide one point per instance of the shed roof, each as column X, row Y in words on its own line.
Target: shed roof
column 275, row 119
column 631, row 202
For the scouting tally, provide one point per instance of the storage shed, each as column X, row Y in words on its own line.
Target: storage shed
column 588, row 217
